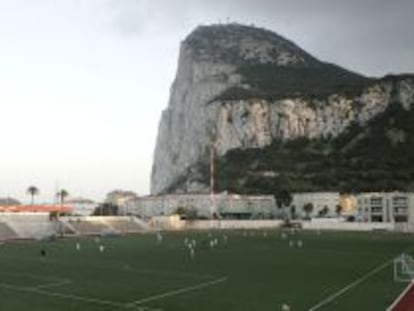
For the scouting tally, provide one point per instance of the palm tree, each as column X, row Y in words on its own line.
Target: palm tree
column 283, row 199
column 32, row 191
column 339, row 209
column 293, row 211
column 62, row 194
column 308, row 208
column 324, row 211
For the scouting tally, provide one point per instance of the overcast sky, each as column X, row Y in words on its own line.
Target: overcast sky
column 83, row 82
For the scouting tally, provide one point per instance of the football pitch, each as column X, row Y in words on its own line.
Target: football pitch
column 246, row 270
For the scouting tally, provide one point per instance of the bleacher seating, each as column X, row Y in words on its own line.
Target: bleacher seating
column 125, row 224
column 7, row 233
column 65, row 228
column 40, row 226
column 88, row 227
column 33, row 230
column 27, row 225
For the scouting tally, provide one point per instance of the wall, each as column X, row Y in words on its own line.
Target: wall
column 337, row 224
column 232, row 224
column 174, row 223
column 224, row 204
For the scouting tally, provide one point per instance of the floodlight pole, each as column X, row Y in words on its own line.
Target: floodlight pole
column 212, row 196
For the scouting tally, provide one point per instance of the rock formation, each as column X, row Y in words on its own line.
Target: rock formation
column 241, row 88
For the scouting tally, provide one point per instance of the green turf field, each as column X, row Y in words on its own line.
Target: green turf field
column 250, row 272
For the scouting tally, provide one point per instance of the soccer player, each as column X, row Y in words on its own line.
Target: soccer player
column 159, row 238
column 192, row 253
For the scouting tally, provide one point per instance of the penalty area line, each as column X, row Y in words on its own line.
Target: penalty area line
column 61, row 295
column 178, row 291
column 350, row 285
column 48, row 285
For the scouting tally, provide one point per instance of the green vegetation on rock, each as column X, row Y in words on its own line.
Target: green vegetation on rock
column 275, row 82
column 365, row 158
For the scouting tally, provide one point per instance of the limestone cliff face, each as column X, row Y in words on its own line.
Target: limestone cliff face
column 198, row 117
column 185, row 129
column 255, row 123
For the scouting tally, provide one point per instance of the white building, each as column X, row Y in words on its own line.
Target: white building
column 320, row 200
column 204, row 205
column 386, row 207
column 392, row 207
column 81, row 206
column 120, row 197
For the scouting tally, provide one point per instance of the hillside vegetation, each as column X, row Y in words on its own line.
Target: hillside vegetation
column 377, row 157
column 275, row 82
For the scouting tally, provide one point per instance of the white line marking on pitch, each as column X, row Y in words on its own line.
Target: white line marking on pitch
column 65, row 296
column 400, row 297
column 48, row 285
column 178, row 291
column 351, row 285
column 33, row 276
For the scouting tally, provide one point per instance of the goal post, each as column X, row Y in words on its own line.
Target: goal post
column 403, row 268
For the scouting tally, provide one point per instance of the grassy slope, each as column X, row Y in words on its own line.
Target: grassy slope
column 262, row 272
column 275, row 82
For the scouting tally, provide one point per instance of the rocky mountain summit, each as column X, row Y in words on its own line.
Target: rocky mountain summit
column 276, row 116
column 238, row 44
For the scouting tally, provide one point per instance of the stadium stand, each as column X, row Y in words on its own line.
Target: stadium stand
column 29, row 225
column 33, row 230
column 6, row 233
column 126, row 224
column 96, row 225
column 85, row 226
column 65, row 228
